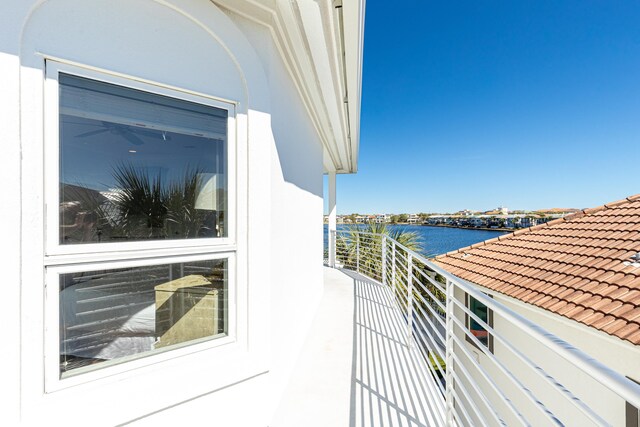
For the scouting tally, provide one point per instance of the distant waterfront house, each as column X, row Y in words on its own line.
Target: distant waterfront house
column 462, row 221
column 477, row 221
column 527, row 221
column 440, row 220
column 496, row 221
column 434, row 220
column 579, row 278
column 163, row 163
column 413, row 219
column 512, row 221
column 382, row 219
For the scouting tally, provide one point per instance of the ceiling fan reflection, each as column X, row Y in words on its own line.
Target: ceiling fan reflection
column 129, row 133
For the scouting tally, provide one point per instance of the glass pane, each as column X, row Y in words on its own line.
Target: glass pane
column 107, row 315
column 139, row 166
column 481, row 311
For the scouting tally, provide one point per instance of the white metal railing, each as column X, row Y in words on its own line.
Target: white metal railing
column 509, row 371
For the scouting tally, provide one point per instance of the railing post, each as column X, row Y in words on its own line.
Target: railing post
column 383, row 253
column 332, row 226
column 409, row 298
column 449, row 306
column 393, row 266
column 332, row 248
column 358, row 253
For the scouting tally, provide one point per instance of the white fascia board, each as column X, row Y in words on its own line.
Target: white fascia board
column 327, row 163
column 353, row 12
column 300, row 54
column 306, row 34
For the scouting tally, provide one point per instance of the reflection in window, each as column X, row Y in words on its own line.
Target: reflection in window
column 477, row 330
column 114, row 314
column 139, row 166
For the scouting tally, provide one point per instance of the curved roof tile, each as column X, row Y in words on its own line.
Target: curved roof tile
column 578, row 266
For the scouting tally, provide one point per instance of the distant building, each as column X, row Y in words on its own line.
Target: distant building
column 477, row 221
column 413, row 219
column 439, row 220
column 382, row 219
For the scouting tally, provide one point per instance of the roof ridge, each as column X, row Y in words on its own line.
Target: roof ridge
column 575, row 215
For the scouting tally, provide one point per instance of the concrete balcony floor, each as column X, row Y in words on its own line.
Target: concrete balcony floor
column 355, row 368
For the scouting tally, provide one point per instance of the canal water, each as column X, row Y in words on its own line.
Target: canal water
column 440, row 240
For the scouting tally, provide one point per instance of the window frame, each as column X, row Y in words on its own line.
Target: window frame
column 53, row 380
column 85, row 251
column 467, row 324
column 61, row 259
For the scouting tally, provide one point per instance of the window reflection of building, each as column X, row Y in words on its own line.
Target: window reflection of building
column 477, row 330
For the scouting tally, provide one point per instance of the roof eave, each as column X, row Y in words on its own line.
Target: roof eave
column 321, row 44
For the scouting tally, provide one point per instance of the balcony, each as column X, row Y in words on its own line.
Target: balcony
column 396, row 342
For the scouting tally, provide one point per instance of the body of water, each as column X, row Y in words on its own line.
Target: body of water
column 440, row 240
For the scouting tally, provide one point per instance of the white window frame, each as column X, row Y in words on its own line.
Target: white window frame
column 53, row 380
column 122, row 250
column 61, row 259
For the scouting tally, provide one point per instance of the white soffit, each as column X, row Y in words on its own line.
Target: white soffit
column 321, row 43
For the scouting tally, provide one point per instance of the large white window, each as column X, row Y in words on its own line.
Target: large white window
column 140, row 222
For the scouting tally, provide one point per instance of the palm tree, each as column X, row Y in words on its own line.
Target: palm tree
column 140, row 203
column 361, row 247
column 183, row 220
column 148, row 207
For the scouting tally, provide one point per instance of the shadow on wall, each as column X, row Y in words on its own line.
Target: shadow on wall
column 298, row 148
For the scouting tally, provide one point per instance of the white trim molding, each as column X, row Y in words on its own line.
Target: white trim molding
column 321, row 43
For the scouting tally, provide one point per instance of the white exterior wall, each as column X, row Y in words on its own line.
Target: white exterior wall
column 295, row 229
column 619, row 355
column 189, row 45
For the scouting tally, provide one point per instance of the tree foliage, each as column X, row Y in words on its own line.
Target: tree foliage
column 143, row 206
column 361, row 247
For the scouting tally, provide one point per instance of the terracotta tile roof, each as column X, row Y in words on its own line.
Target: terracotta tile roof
column 579, row 267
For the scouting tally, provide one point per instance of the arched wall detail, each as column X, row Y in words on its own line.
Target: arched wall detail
column 186, row 45
column 87, row 41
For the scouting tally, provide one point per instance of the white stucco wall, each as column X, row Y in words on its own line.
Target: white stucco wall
column 619, row 355
column 295, row 230
column 188, row 45
column 296, row 225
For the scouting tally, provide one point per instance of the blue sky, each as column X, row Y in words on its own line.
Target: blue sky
column 476, row 104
